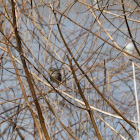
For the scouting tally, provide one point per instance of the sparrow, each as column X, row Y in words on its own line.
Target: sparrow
column 55, row 75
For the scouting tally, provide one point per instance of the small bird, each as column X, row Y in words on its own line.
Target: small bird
column 55, row 75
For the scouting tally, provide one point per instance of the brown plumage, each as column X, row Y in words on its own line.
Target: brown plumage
column 55, row 75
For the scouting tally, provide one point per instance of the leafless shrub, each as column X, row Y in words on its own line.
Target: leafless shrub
column 98, row 95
